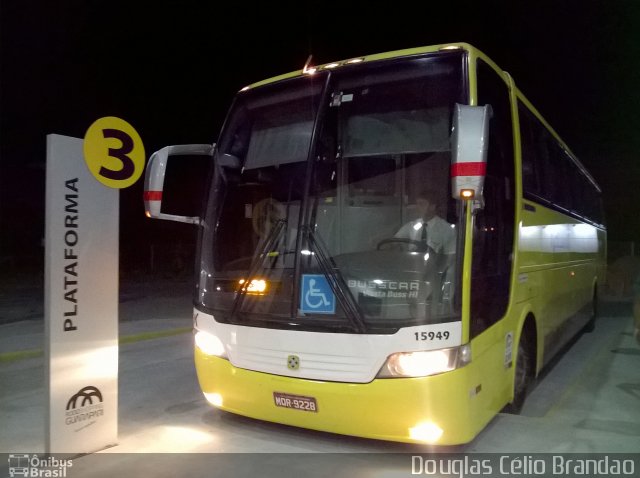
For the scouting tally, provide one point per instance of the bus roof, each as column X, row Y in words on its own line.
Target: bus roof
column 308, row 69
column 473, row 51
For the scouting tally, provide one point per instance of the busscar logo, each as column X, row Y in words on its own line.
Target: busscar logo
column 85, row 407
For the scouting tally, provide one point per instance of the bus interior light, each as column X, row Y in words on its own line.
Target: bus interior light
column 255, row 287
column 467, row 193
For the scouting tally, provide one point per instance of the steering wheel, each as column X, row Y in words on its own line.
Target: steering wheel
column 420, row 246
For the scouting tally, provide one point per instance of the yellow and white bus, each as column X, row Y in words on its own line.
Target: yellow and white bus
column 312, row 309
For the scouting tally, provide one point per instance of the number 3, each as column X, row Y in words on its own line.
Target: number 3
column 128, row 166
column 114, row 165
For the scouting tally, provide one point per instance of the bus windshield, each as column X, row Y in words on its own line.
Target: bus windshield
column 335, row 212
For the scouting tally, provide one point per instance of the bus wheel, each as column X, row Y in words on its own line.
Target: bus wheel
column 522, row 376
column 591, row 325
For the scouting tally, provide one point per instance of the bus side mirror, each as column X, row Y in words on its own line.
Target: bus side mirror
column 469, row 146
column 154, row 179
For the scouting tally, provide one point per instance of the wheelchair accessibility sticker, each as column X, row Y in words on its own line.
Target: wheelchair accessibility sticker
column 316, row 296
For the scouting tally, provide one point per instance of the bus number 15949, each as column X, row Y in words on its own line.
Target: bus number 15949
column 432, row 335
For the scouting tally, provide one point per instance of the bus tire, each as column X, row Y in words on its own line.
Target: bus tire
column 523, row 374
column 591, row 325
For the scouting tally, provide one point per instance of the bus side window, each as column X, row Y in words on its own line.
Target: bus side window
column 494, row 225
column 530, row 170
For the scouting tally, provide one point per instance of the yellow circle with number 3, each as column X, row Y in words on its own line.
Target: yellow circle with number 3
column 114, row 152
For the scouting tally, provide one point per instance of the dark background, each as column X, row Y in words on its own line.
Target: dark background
column 171, row 70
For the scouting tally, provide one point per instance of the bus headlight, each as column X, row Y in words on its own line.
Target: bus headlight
column 209, row 344
column 425, row 363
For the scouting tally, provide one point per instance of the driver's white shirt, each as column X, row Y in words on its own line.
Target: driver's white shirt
column 441, row 236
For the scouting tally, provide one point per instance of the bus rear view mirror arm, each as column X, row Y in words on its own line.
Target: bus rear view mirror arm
column 469, row 146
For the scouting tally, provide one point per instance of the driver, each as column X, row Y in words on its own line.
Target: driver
column 430, row 228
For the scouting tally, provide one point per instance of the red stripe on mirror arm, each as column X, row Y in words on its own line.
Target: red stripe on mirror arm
column 468, row 169
column 152, row 195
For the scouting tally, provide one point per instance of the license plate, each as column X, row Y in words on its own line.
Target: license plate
column 297, row 402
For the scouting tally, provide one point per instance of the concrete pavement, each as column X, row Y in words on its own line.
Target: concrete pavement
column 588, row 402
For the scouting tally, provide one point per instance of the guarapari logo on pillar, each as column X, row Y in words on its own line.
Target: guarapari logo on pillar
column 84, row 408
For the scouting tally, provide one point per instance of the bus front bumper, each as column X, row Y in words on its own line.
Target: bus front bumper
column 436, row 410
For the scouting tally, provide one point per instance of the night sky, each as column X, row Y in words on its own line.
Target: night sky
column 171, row 69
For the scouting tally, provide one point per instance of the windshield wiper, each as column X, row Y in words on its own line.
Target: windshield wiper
column 336, row 282
column 267, row 245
